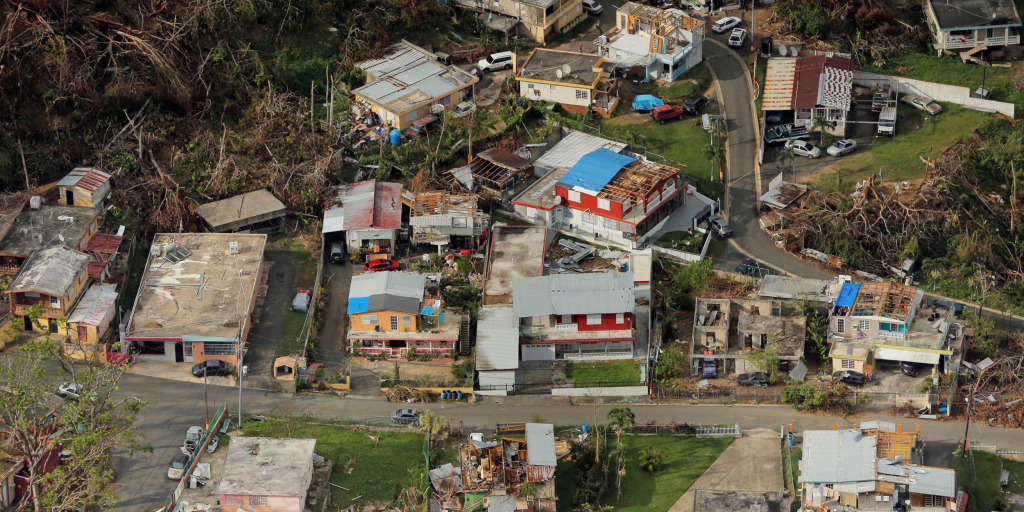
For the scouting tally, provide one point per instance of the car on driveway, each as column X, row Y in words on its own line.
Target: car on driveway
column 337, row 254
column 754, row 379
column 803, row 148
column 850, row 377
column 663, row 113
column 302, row 300
column 592, row 7
column 737, row 38
column 405, row 416
column 724, row 24
column 910, row 369
column 753, row 268
column 177, row 469
column 381, row 266
column 463, row 109
column 923, row 103
column 211, row 368
column 496, row 62
column 70, row 391
column 694, row 105
column 842, row 147
column 719, row 226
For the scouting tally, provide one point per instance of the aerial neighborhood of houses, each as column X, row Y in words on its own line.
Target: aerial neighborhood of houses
column 519, row 253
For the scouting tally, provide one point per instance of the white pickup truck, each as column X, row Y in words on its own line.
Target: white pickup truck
column 887, row 121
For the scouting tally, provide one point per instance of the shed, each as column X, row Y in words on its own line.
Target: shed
column 250, row 211
column 91, row 317
column 84, row 186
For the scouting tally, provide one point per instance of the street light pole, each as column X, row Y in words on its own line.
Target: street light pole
column 968, row 427
column 241, row 373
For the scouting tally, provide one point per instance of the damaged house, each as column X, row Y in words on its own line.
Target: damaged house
column 726, row 331
column 493, row 473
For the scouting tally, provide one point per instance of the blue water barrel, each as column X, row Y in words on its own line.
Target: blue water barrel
column 445, row 395
column 458, row 395
column 585, row 428
column 791, row 440
column 396, row 137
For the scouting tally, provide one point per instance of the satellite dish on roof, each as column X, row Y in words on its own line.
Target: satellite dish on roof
column 782, row 50
column 558, row 73
column 436, row 108
column 566, row 69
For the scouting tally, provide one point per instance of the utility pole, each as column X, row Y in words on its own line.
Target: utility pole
column 206, row 398
column 968, row 427
column 241, row 372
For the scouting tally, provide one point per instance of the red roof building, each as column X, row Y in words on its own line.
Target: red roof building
column 823, row 87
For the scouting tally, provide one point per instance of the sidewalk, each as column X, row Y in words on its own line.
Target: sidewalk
column 177, row 371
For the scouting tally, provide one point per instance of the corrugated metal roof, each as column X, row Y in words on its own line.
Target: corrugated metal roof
column 572, row 147
column 778, row 84
column 98, row 300
column 595, row 169
column 366, row 204
column 934, row 481
column 497, row 339
column 884, row 426
column 836, row 88
column 808, row 78
column 52, row 271
column 504, row 158
column 783, row 195
column 573, row 294
column 241, row 210
column 837, row 456
column 540, row 444
column 86, row 178
column 396, row 291
column 407, row 77
column 444, row 476
column 103, row 243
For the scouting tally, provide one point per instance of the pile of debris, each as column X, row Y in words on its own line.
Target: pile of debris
column 408, row 395
column 999, row 411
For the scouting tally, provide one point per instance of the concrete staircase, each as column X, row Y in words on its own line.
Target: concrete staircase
column 969, row 56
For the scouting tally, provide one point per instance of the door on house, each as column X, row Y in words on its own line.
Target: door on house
column 188, row 351
column 179, row 352
column 83, row 334
column 28, row 323
column 394, row 323
column 69, row 197
column 53, row 325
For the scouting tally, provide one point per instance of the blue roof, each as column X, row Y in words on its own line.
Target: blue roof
column 358, row 304
column 595, row 169
column 847, row 294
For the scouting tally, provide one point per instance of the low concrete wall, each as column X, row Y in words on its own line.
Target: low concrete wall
column 938, row 92
column 601, row 392
column 466, row 391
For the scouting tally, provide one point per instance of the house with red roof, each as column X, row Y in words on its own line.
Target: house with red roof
column 812, row 86
column 368, row 215
column 84, row 186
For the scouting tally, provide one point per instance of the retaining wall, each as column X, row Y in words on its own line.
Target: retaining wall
column 938, row 92
column 601, row 392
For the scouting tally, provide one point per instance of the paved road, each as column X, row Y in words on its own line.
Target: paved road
column 742, row 194
column 143, row 480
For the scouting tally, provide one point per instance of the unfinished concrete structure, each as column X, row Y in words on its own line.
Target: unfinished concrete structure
column 666, row 43
column 727, row 331
column 443, row 219
column 266, row 474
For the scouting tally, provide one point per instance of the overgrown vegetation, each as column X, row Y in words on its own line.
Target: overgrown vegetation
column 804, row 397
column 625, row 372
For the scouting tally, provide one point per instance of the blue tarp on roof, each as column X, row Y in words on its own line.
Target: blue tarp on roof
column 847, row 294
column 595, row 169
column 358, row 304
column 646, row 102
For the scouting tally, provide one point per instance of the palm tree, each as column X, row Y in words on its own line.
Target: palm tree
column 621, row 417
column 819, row 123
column 715, row 155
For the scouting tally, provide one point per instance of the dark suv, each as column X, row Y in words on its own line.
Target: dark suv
column 850, row 377
column 693, row 106
column 753, row 379
column 910, row 369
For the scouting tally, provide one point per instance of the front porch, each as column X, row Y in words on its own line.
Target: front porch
column 402, row 349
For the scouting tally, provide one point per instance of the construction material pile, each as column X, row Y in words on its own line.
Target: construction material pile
column 408, row 395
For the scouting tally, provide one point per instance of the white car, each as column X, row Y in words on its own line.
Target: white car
column 496, row 62
column 842, row 147
column 724, row 24
column 803, row 148
column 592, row 7
column 738, row 37
column 70, row 391
column 463, row 109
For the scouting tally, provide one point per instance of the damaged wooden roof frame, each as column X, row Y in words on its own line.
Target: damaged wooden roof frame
column 636, row 180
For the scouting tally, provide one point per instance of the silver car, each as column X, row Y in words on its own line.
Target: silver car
column 725, row 24
column 803, row 148
column 843, row 147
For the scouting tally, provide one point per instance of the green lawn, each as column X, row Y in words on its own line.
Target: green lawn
column 685, row 460
column 681, row 240
column 761, row 73
column 1016, row 476
column 981, row 483
column 375, row 470
column 605, row 372
column 951, row 70
column 917, row 134
column 290, row 341
column 694, row 81
column 680, row 141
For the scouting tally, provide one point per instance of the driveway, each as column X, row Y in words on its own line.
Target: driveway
column 751, row 463
column 332, row 349
column 265, row 339
column 742, row 194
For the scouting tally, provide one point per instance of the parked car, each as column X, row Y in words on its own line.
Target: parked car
column 496, row 62
column 463, row 109
column 424, row 125
column 592, row 7
column 773, row 116
column 923, row 103
column 337, row 253
column 737, row 38
column 212, row 368
column 785, row 133
column 910, row 369
column 803, row 148
column 192, row 437
column 70, row 391
column 850, row 377
column 381, row 266
column 302, row 300
column 753, row 379
column 694, row 105
column 724, row 24
column 842, row 147
column 177, row 469
column 665, row 113
column 405, row 416
column 753, row 268
column 719, row 226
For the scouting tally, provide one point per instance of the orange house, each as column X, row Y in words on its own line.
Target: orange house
column 53, row 278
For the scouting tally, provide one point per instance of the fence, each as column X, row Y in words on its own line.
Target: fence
column 418, row 383
column 938, row 92
column 726, row 395
column 197, row 453
column 307, row 325
column 719, row 431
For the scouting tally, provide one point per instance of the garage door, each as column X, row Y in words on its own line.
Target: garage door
column 909, row 356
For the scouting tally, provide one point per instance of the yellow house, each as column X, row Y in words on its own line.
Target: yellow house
column 89, row 322
column 852, row 356
column 536, row 19
column 84, row 186
column 402, row 86
column 578, row 82
column 52, row 278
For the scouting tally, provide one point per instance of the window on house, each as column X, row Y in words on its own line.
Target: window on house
column 369, row 319
column 565, row 18
column 565, row 319
column 459, row 222
column 841, row 325
column 931, row 500
column 863, row 325
column 611, row 223
column 620, row 318
column 582, row 94
column 587, row 218
column 256, row 500
column 410, row 117
column 55, row 302
column 529, row 86
column 447, row 100
column 604, row 204
column 574, row 196
column 551, row 87
column 219, row 348
column 593, row 319
column 406, row 320
column 846, row 364
column 394, row 322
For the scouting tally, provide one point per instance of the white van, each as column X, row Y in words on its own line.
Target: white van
column 592, row 7
column 496, row 62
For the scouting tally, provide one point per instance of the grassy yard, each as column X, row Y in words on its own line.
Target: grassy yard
column 305, row 262
column 680, row 141
column 917, row 135
column 685, row 460
column 1016, row 476
column 681, row 240
column 376, row 470
column 603, row 372
column 693, row 82
column 794, row 459
column 980, row 481
column 952, row 71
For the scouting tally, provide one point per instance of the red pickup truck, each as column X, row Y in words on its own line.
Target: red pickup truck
column 667, row 112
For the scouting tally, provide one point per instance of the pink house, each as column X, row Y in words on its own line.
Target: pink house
column 263, row 474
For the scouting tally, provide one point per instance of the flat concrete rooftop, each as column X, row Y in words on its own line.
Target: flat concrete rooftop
column 516, row 251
